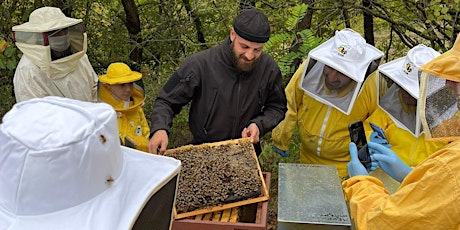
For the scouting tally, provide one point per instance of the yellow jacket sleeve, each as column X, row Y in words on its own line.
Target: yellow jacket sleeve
column 412, row 150
column 144, row 124
column 282, row 133
column 428, row 198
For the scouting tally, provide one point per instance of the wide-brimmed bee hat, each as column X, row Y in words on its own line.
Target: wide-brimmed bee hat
column 119, row 73
column 348, row 53
column 62, row 167
column 405, row 75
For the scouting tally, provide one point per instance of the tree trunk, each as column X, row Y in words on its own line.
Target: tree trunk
column 346, row 16
column 133, row 25
column 368, row 23
column 305, row 23
column 197, row 21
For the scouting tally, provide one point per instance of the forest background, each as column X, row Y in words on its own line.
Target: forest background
column 154, row 36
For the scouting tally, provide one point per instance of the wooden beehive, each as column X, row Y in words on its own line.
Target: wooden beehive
column 217, row 176
column 248, row 217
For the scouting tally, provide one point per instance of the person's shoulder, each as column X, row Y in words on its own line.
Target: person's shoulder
column 373, row 76
column 199, row 56
column 84, row 58
column 202, row 58
column 448, row 153
column 25, row 64
column 24, row 60
column 445, row 160
column 371, row 81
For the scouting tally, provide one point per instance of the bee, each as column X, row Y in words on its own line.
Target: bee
column 342, row 50
column 408, row 67
column 103, row 139
column 110, row 180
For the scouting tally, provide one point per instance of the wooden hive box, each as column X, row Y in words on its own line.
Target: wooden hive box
column 217, row 176
column 247, row 217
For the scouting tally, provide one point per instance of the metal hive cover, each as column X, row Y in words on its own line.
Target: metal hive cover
column 311, row 194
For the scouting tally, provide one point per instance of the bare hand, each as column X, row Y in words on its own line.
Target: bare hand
column 159, row 142
column 252, row 131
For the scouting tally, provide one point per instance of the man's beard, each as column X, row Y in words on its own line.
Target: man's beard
column 242, row 67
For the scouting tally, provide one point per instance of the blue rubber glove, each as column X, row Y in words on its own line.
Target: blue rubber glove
column 355, row 168
column 283, row 153
column 388, row 161
column 376, row 138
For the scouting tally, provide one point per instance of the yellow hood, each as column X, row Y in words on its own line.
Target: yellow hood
column 138, row 97
column 447, row 64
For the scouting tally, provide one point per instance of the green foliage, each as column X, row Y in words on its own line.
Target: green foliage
column 9, row 58
column 279, row 42
column 280, row 45
column 297, row 13
column 305, row 40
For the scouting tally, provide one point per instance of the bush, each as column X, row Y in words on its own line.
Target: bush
column 9, row 57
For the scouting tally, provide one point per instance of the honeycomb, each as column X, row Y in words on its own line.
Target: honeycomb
column 213, row 175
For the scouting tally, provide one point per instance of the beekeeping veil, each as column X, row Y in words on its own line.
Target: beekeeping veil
column 33, row 39
column 348, row 53
column 439, row 95
column 404, row 75
column 62, row 167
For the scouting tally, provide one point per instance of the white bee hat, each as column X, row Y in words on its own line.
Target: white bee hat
column 62, row 167
column 404, row 72
column 46, row 19
column 348, row 53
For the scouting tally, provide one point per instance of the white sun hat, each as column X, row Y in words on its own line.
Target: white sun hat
column 348, row 53
column 46, row 19
column 404, row 72
column 62, row 167
column 32, row 39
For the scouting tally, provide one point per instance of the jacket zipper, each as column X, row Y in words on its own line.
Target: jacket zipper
column 236, row 121
column 206, row 121
column 323, row 129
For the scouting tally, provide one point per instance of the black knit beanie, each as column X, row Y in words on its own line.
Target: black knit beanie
column 252, row 25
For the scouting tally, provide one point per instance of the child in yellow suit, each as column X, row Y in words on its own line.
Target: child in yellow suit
column 127, row 98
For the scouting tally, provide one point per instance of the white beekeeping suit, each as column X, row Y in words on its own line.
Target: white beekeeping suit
column 40, row 71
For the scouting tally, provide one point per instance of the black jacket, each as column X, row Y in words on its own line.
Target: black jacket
column 223, row 100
